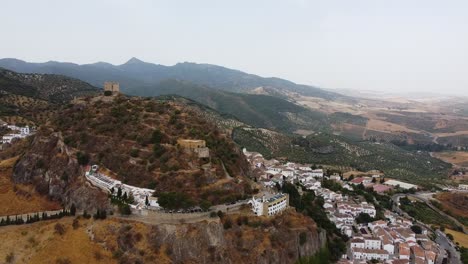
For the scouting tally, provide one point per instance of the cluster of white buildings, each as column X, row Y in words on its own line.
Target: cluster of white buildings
column 389, row 241
column 271, row 172
column 21, row 132
column 342, row 211
column 106, row 183
column 393, row 242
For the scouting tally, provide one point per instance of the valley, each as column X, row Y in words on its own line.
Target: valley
column 181, row 143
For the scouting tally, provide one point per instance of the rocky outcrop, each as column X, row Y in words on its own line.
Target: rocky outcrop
column 50, row 166
column 274, row 241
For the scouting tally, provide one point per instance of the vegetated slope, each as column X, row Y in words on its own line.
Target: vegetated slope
column 255, row 110
column 280, row 239
column 48, row 87
column 30, row 98
column 136, row 73
column 137, row 140
column 327, row 149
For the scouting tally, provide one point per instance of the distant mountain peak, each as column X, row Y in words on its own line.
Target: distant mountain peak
column 134, row 60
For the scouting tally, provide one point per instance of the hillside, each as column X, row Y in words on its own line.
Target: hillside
column 255, row 110
column 249, row 240
column 425, row 124
column 136, row 139
column 31, row 98
column 48, row 87
column 337, row 151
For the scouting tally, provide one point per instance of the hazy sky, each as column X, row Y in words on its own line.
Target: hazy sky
column 390, row 45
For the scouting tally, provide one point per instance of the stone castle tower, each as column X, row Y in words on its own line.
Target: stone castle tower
column 113, row 87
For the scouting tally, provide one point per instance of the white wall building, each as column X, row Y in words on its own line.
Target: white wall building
column 372, row 243
column 269, row 206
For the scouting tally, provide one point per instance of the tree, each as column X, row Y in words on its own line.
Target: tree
column 124, row 209
column 130, row 198
column 119, row 192
column 450, row 236
column 73, row 209
column 416, row 229
column 83, row 158
column 59, row 229
column 205, row 205
column 294, row 196
column 156, row 137
column 364, row 218
column 147, row 201
column 175, row 200
column 124, row 197
column 76, row 223
column 158, row 150
column 227, row 224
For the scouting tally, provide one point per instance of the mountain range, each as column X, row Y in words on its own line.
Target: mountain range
column 137, row 77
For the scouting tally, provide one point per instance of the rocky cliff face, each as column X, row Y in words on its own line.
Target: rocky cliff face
column 51, row 167
column 277, row 240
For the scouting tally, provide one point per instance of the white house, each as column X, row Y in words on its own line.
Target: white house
column 372, row 243
column 369, row 254
column 317, row 173
column 287, row 173
column 357, row 243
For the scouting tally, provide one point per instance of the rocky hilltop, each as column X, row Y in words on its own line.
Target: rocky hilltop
column 52, row 168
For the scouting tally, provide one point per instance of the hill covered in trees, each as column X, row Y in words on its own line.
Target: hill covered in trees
column 337, row 151
column 136, row 139
column 29, row 98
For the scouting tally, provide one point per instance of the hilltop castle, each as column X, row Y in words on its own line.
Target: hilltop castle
column 112, row 87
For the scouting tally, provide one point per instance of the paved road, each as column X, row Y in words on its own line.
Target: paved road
column 424, row 197
column 447, row 245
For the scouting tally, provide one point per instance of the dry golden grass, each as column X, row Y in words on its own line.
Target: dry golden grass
column 105, row 233
column 459, row 237
column 39, row 243
column 457, row 203
column 458, row 158
column 458, row 133
column 21, row 198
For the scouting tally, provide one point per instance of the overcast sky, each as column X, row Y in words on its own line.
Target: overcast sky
column 388, row 45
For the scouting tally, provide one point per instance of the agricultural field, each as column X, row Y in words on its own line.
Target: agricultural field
column 459, row 237
column 459, row 158
column 423, row 213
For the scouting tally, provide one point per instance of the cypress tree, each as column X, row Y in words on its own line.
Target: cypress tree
column 73, row 209
column 119, row 192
